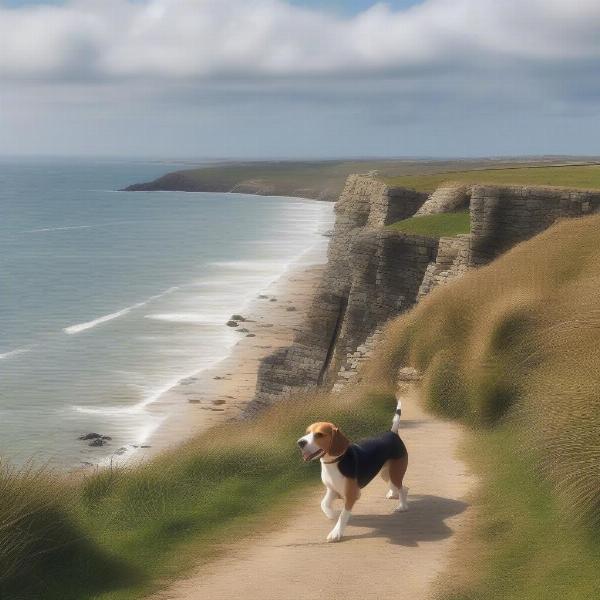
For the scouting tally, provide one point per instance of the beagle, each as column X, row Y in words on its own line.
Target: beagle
column 346, row 467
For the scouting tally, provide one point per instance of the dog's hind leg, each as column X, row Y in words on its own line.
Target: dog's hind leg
column 385, row 475
column 398, row 468
column 326, row 503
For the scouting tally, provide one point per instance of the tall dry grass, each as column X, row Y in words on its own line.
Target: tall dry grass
column 519, row 339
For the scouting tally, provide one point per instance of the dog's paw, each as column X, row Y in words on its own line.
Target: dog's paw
column 392, row 495
column 335, row 535
column 401, row 508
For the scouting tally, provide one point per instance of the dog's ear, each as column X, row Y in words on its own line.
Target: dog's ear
column 339, row 443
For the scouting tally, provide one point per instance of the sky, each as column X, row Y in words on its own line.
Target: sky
column 201, row 79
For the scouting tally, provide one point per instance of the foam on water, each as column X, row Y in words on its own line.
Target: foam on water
column 16, row 352
column 72, row 227
column 189, row 318
column 74, row 329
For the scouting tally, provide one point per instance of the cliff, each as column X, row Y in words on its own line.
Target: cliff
column 375, row 273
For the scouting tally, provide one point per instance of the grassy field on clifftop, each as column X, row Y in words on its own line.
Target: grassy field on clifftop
column 581, row 176
column 437, row 225
column 513, row 350
column 322, row 179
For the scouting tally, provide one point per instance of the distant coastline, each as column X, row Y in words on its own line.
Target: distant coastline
column 318, row 179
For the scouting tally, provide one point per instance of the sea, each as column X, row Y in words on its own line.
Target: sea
column 109, row 298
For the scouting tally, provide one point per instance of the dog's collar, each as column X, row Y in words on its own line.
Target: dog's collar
column 335, row 460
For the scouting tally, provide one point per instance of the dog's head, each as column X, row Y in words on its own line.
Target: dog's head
column 322, row 439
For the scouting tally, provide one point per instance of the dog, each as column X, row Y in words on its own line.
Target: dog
column 346, row 467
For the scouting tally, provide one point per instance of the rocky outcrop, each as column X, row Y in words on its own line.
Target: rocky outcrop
column 349, row 373
column 449, row 197
column 502, row 216
column 386, row 273
column 372, row 274
column 452, row 260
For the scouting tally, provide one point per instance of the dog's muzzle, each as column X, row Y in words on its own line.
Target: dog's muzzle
column 310, row 451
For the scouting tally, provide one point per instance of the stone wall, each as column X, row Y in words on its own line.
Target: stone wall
column 502, row 216
column 447, row 198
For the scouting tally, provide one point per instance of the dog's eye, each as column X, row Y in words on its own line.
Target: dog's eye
column 318, row 434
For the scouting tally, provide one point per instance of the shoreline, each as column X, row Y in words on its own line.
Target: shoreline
column 221, row 392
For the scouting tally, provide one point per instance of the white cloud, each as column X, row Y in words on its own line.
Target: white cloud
column 263, row 77
column 120, row 39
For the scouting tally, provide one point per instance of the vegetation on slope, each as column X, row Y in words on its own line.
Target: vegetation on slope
column 436, row 225
column 310, row 179
column 581, row 176
column 520, row 546
column 513, row 350
column 119, row 533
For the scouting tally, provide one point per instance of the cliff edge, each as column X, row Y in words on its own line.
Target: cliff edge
column 375, row 273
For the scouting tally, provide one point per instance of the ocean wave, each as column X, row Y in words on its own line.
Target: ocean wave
column 69, row 227
column 180, row 318
column 254, row 265
column 151, row 397
column 79, row 327
column 43, row 229
column 15, row 352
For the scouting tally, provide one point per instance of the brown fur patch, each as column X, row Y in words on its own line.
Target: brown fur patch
column 329, row 438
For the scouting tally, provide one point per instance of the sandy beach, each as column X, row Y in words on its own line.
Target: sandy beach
column 220, row 393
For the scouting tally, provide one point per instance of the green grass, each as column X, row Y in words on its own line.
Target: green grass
column 520, row 547
column 119, row 534
column 438, row 225
column 583, row 176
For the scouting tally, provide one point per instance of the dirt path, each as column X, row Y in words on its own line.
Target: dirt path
column 384, row 554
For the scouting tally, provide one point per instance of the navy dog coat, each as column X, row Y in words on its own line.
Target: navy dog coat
column 364, row 460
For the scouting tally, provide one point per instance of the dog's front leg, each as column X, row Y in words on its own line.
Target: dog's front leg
column 352, row 493
column 326, row 503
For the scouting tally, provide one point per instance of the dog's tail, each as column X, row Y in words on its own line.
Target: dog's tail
column 396, row 420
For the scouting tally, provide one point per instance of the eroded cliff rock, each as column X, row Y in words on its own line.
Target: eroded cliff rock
column 372, row 274
column 448, row 197
column 375, row 273
column 502, row 216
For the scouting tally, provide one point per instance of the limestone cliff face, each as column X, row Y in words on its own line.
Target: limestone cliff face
column 386, row 273
column 372, row 275
column 375, row 273
column 502, row 216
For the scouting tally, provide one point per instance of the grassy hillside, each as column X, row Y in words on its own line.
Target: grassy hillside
column 513, row 350
column 437, row 225
column 519, row 546
column 117, row 534
column 311, row 179
column 582, row 176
